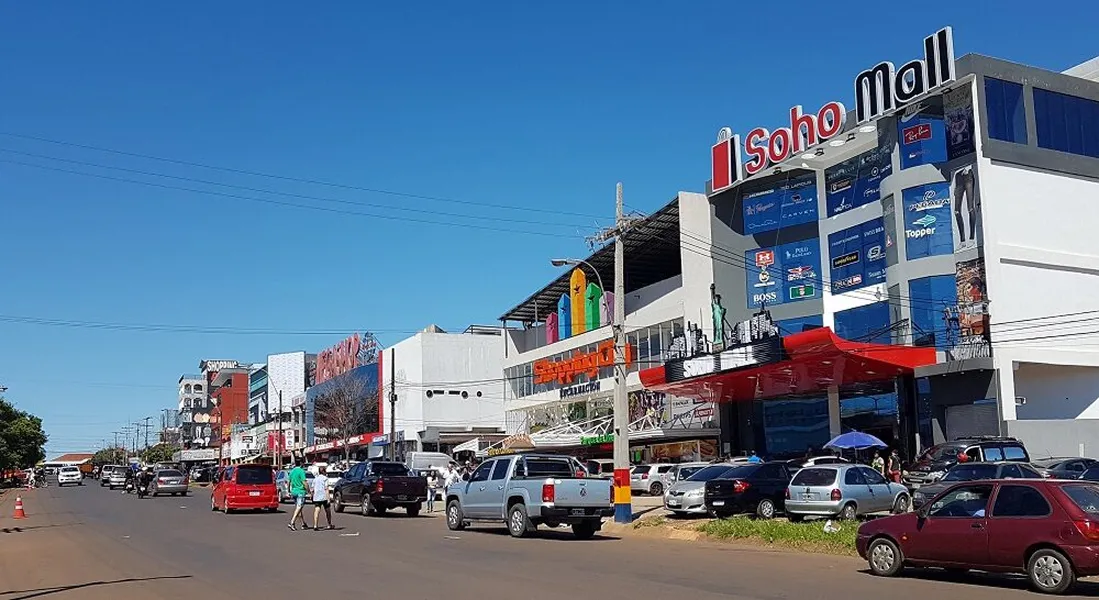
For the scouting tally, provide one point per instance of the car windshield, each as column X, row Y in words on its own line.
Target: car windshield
column 708, row 473
column 390, row 469
column 254, row 475
column 1049, row 463
column 740, row 472
column 970, row 472
column 642, row 469
column 69, row 469
column 549, row 467
column 814, row 476
column 167, row 473
column 940, row 452
column 1085, row 496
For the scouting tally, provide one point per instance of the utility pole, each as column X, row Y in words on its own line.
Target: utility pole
column 278, row 442
column 147, row 419
column 623, row 506
column 392, row 404
column 114, row 449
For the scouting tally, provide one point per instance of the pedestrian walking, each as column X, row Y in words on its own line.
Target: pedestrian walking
column 320, row 499
column 297, row 493
column 432, row 489
column 894, row 466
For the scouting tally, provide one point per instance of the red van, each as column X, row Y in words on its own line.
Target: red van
column 244, row 487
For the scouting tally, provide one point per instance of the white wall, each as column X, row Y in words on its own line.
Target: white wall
column 286, row 374
column 406, row 359
column 1057, row 392
column 449, row 359
column 696, row 215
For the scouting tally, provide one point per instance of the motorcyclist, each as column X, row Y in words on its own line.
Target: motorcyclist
column 144, row 478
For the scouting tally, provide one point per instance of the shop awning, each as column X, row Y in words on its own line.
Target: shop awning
column 470, row 446
column 813, row 361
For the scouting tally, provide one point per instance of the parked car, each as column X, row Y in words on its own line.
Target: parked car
column 1063, row 468
column 168, row 481
column 105, row 474
column 842, row 490
column 680, row 472
column 69, row 475
column 973, row 472
column 758, row 488
column 244, row 487
column 282, row 484
column 377, row 486
column 334, row 477
column 685, row 497
column 801, row 463
column 933, row 464
column 646, row 478
column 525, row 491
column 600, row 468
column 1091, row 474
column 1045, row 528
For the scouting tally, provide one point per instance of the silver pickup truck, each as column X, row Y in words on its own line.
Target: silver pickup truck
column 528, row 490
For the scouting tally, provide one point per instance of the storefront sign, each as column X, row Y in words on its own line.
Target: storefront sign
column 218, row 365
column 878, row 91
column 748, row 355
column 580, row 389
column 589, row 363
column 196, row 455
column 595, row 440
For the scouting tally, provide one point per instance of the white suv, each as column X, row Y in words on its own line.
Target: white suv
column 70, row 475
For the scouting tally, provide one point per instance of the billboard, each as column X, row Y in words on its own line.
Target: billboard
column 927, row 221
column 353, row 352
column 791, row 201
column 857, row 181
column 857, row 256
column 922, row 135
column 782, row 274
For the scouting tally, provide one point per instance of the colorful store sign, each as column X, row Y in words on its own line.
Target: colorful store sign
column 586, row 307
column 878, row 91
column 587, row 363
column 596, row 440
column 786, row 273
column 928, row 219
column 857, row 256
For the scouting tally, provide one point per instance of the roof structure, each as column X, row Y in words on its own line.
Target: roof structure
column 73, row 458
column 652, row 252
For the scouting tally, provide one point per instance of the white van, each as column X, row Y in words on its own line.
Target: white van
column 424, row 461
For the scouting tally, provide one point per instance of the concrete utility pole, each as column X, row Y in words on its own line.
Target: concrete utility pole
column 147, row 425
column 623, row 505
column 392, row 404
column 278, row 441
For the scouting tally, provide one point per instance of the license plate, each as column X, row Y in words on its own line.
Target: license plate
column 806, row 496
column 719, row 503
column 173, row 483
column 253, row 493
column 402, row 497
column 577, row 511
column 673, row 502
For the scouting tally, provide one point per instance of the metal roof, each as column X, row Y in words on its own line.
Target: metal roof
column 652, row 254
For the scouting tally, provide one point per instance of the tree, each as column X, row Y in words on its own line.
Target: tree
column 346, row 406
column 160, row 453
column 22, row 441
column 109, row 456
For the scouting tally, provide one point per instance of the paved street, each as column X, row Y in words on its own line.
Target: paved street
column 86, row 542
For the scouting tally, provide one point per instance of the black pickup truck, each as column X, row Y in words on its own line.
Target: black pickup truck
column 377, row 486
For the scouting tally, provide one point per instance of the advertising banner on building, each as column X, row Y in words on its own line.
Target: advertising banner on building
column 927, row 221
column 958, row 114
column 857, row 256
column 351, row 353
column 967, row 208
column 782, row 274
column 857, row 181
column 671, row 412
column 969, row 329
column 790, row 201
column 922, row 135
column 688, row 451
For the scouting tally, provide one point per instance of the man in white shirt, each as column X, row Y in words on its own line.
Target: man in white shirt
column 320, row 499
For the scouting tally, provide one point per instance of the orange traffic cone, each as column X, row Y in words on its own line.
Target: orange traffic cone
column 19, row 514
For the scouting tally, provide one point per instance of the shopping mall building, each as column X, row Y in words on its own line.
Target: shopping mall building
column 914, row 261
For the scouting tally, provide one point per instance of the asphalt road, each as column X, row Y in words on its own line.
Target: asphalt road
column 87, row 542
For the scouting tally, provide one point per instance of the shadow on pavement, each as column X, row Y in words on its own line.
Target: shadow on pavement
column 37, row 593
column 33, row 527
column 991, row 580
column 554, row 535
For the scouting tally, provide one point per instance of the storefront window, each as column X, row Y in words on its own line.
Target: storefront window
column 790, row 427
column 799, row 324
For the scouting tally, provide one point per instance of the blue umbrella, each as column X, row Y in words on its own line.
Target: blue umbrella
column 855, row 440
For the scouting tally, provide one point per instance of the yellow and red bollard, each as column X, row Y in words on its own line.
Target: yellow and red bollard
column 623, row 505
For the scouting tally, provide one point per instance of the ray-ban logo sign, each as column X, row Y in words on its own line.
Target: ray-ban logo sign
column 878, row 91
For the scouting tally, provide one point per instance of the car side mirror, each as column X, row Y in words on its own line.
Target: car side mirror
column 923, row 512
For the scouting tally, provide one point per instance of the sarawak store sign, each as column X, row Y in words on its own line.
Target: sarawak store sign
column 587, row 363
column 878, row 92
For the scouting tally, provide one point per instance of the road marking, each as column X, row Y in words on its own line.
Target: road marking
column 451, row 537
column 356, row 534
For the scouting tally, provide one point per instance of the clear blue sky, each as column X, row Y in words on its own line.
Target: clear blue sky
column 507, row 103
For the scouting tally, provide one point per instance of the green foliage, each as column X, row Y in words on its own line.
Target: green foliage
column 109, row 456
column 159, row 453
column 780, row 532
column 22, row 440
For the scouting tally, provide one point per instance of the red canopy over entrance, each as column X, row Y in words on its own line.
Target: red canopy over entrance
column 817, row 360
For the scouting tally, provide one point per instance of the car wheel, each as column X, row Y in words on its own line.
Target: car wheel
column 337, row 502
column 455, row 520
column 885, row 557
column 365, row 507
column 584, row 530
column 1050, row 572
column 213, row 505
column 848, row 512
column 518, row 522
column 901, row 504
column 413, row 510
column 765, row 509
column 795, row 518
column 657, row 489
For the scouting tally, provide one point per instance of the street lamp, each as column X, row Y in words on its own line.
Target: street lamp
column 564, row 262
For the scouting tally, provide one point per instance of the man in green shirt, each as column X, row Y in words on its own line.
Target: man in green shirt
column 297, row 492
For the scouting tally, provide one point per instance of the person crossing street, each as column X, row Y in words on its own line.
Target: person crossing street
column 297, row 492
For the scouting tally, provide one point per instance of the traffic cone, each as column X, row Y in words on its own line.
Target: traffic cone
column 19, row 514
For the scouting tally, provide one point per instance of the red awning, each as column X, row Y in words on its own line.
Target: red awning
column 817, row 360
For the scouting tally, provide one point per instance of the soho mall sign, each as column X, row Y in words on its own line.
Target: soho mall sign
column 878, row 92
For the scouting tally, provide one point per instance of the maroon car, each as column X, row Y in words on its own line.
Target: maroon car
column 1047, row 529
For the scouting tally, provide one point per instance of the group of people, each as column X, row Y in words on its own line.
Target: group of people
column 315, row 489
column 888, row 463
column 440, row 480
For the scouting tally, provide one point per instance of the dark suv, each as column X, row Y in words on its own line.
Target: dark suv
column 934, row 462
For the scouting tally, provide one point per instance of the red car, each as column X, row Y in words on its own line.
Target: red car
column 244, row 487
column 1047, row 529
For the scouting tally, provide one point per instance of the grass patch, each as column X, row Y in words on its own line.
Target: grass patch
column 780, row 532
column 653, row 522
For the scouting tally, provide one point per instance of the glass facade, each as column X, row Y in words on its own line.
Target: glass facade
column 1006, row 115
column 931, row 298
column 868, row 323
column 799, row 324
column 1066, row 123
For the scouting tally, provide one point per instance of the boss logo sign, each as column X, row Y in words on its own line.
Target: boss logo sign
column 878, row 91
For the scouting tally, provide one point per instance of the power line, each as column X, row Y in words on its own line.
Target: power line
column 176, row 328
column 294, row 179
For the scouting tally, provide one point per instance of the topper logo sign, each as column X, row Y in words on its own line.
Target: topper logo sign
column 878, row 91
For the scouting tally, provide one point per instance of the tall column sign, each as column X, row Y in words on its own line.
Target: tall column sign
column 879, row 91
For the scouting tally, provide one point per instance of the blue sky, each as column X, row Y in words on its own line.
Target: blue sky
column 507, row 103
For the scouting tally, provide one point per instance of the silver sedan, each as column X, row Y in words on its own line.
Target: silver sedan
column 844, row 491
column 685, row 497
column 168, row 481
